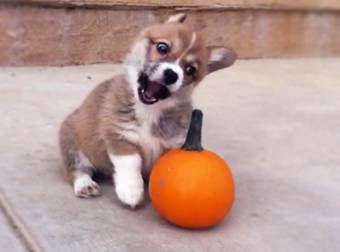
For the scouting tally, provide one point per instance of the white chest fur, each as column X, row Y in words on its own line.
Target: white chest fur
column 141, row 134
column 151, row 145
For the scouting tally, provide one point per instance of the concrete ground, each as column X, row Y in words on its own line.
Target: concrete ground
column 276, row 122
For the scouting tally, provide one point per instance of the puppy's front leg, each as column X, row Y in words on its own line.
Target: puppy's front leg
column 127, row 176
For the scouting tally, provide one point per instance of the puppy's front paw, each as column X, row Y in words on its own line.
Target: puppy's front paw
column 130, row 191
column 85, row 187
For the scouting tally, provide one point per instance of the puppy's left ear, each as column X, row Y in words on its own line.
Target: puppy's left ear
column 177, row 18
column 220, row 58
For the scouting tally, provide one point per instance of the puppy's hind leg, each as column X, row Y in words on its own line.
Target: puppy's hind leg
column 84, row 186
column 77, row 167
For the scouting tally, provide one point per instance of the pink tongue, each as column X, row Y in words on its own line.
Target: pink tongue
column 152, row 90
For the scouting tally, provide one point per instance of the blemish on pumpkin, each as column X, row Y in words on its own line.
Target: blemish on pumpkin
column 162, row 182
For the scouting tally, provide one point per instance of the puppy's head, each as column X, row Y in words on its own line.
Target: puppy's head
column 169, row 59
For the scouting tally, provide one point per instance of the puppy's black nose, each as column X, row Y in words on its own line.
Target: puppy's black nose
column 170, row 76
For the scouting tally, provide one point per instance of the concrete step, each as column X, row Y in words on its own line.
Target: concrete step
column 64, row 32
column 276, row 122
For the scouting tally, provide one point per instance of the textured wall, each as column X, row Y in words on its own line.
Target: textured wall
column 60, row 36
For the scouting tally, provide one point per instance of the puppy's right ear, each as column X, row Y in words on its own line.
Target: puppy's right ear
column 220, row 57
column 177, row 18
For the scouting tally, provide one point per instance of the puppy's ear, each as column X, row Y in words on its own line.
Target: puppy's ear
column 177, row 18
column 220, row 58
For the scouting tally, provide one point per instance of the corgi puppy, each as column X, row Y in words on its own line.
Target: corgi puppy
column 126, row 123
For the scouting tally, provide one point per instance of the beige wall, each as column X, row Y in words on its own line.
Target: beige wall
column 31, row 35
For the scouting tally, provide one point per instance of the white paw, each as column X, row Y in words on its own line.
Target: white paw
column 128, row 178
column 85, row 187
column 130, row 191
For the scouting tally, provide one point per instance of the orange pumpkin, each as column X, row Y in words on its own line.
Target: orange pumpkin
column 192, row 187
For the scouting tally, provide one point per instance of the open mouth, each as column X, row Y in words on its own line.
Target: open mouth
column 150, row 92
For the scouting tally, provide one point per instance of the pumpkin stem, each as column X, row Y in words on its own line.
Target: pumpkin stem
column 193, row 140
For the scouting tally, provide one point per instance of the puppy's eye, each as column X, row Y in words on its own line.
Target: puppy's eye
column 162, row 48
column 190, row 70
